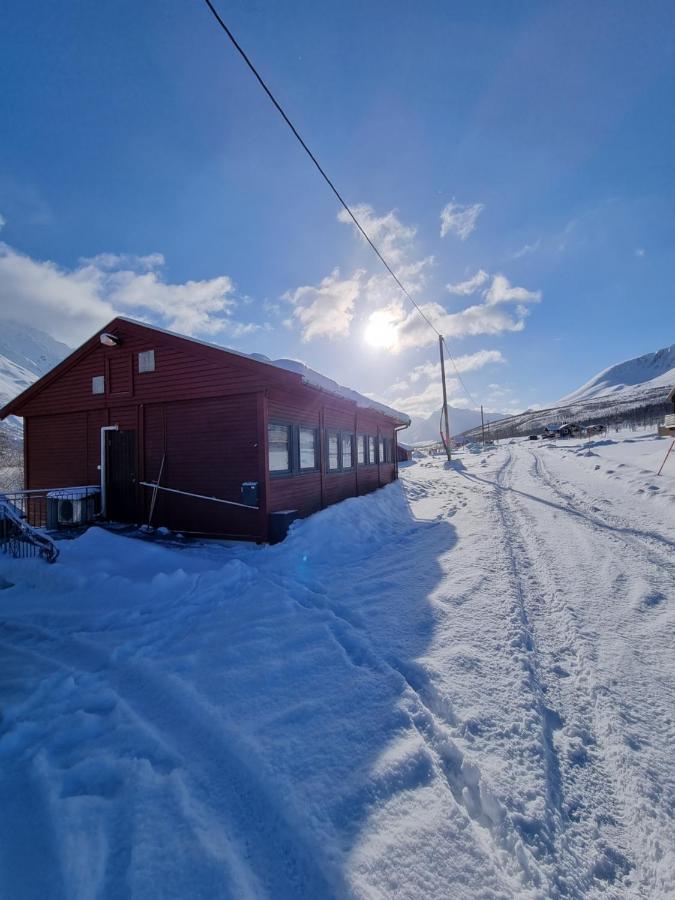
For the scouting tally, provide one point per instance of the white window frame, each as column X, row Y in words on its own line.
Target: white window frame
column 315, row 447
column 330, row 437
column 289, row 448
column 361, row 450
column 98, row 384
column 346, row 437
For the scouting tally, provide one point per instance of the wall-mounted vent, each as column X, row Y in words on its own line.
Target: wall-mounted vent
column 98, row 384
column 146, row 361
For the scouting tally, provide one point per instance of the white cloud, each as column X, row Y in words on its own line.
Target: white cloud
column 326, row 310
column 73, row 303
column 426, row 401
column 500, row 291
column 460, row 219
column 465, row 288
column 387, row 232
column 474, row 320
column 526, row 249
column 3, row 221
column 467, row 363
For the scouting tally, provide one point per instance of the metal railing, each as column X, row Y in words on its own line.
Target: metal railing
column 21, row 540
column 54, row 508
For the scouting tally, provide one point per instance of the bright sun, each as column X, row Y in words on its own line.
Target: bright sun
column 380, row 331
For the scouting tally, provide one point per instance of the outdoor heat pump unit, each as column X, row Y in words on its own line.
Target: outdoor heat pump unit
column 71, row 507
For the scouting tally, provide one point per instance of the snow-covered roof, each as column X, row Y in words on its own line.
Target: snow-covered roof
column 309, row 376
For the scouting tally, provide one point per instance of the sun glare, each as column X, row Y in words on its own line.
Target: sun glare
column 380, row 331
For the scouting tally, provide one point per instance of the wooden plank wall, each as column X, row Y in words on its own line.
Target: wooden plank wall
column 207, row 413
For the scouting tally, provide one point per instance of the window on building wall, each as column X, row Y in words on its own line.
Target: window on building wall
column 279, row 447
column 371, row 450
column 347, row 449
column 308, row 446
column 146, row 361
column 382, row 456
column 361, row 449
column 333, row 457
column 98, row 384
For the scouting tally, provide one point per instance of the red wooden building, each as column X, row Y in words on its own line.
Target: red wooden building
column 136, row 405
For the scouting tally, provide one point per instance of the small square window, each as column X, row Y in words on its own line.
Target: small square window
column 98, row 384
column 146, row 361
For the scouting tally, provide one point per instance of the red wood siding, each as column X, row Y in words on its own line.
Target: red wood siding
column 206, row 413
column 302, row 491
column 56, row 450
column 210, row 449
column 184, row 370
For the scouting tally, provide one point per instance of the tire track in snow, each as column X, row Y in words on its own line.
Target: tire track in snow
column 429, row 713
column 621, row 723
column 588, row 789
column 649, row 544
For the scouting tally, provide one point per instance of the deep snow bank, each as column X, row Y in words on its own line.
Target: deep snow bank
column 455, row 687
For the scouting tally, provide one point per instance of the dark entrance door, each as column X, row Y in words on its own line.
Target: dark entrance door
column 121, row 475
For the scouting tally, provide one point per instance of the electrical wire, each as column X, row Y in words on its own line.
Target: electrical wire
column 330, row 184
column 459, row 377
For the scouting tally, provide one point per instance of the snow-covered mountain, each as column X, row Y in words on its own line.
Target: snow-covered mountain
column 653, row 370
column 633, row 391
column 25, row 354
column 427, row 429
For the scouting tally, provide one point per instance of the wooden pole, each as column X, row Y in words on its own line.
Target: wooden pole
column 665, row 458
column 445, row 401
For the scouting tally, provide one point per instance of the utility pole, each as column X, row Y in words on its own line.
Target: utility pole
column 445, row 401
column 482, row 425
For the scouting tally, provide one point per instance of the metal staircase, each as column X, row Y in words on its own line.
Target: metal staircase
column 21, row 540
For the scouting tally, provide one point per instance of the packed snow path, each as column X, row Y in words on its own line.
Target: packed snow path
column 461, row 686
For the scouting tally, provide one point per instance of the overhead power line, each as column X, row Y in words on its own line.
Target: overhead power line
column 330, row 184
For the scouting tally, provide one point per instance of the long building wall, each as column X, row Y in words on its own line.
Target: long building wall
column 201, row 420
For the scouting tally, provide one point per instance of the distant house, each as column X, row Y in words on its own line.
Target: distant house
column 564, row 430
column 667, row 429
column 404, row 453
column 550, row 430
column 235, row 442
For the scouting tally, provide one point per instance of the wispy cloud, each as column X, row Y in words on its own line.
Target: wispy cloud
column 465, row 288
column 468, row 363
column 73, row 303
column 327, row 309
column 387, row 232
column 526, row 249
column 460, row 219
column 427, row 400
column 500, row 291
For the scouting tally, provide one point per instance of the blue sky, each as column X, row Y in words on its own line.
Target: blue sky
column 143, row 171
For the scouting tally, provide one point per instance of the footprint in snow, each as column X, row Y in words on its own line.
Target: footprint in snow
column 652, row 600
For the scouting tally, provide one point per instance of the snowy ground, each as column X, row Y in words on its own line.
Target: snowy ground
column 461, row 686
